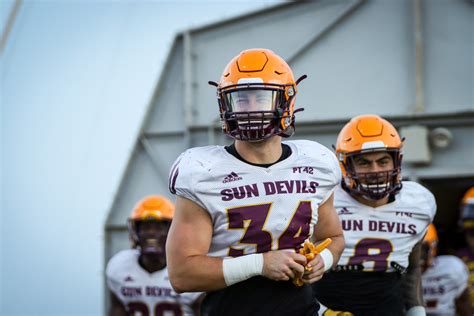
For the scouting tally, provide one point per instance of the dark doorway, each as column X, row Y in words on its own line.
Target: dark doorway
column 448, row 193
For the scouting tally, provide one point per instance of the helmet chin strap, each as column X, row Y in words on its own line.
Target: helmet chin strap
column 367, row 195
column 150, row 251
column 373, row 186
column 373, row 198
column 375, row 189
column 151, row 247
column 152, row 262
column 374, row 195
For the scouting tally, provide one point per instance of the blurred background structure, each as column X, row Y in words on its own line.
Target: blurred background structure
column 91, row 121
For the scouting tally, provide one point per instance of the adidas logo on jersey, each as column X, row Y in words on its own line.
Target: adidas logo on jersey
column 344, row 211
column 232, row 177
column 128, row 279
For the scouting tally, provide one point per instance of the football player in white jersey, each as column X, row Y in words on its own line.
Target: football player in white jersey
column 243, row 210
column 384, row 221
column 444, row 280
column 467, row 225
column 137, row 278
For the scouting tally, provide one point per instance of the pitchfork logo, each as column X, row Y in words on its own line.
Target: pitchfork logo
column 231, row 177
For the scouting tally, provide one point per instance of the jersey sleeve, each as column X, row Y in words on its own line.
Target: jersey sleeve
column 112, row 277
column 431, row 204
column 335, row 171
column 428, row 206
column 181, row 177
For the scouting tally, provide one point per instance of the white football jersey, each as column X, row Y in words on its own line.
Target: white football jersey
column 443, row 283
column 143, row 293
column 382, row 238
column 256, row 209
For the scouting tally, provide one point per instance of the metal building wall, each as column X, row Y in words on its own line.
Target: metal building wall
column 409, row 61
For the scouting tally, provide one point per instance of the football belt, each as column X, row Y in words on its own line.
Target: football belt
column 398, row 267
column 359, row 267
column 349, row 267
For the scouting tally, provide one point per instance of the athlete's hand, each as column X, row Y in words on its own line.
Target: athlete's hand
column 314, row 270
column 283, row 265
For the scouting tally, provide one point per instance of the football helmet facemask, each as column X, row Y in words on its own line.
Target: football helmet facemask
column 256, row 96
column 366, row 134
column 157, row 209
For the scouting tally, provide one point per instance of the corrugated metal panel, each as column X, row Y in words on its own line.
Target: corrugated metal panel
column 449, row 67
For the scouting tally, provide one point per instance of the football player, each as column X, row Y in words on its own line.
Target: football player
column 242, row 210
column 384, row 221
column 137, row 278
column 467, row 223
column 444, row 280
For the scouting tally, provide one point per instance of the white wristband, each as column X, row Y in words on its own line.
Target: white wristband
column 416, row 311
column 322, row 309
column 328, row 259
column 242, row 268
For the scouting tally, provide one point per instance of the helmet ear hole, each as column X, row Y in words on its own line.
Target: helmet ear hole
column 348, row 182
column 285, row 120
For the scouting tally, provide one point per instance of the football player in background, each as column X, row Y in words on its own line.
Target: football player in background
column 444, row 280
column 138, row 278
column 384, row 221
column 242, row 210
column 467, row 224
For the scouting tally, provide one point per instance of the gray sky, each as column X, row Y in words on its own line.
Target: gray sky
column 76, row 77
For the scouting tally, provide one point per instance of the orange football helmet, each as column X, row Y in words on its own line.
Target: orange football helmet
column 467, row 209
column 363, row 134
column 429, row 246
column 151, row 208
column 256, row 96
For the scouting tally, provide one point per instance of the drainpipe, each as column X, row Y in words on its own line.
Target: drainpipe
column 419, row 89
column 188, row 105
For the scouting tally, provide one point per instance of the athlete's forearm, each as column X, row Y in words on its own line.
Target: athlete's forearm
column 412, row 280
column 196, row 273
column 336, row 247
column 213, row 271
column 412, row 290
column 189, row 238
column 412, row 287
column 329, row 226
column 463, row 304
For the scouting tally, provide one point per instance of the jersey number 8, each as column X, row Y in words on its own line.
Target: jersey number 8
column 372, row 250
